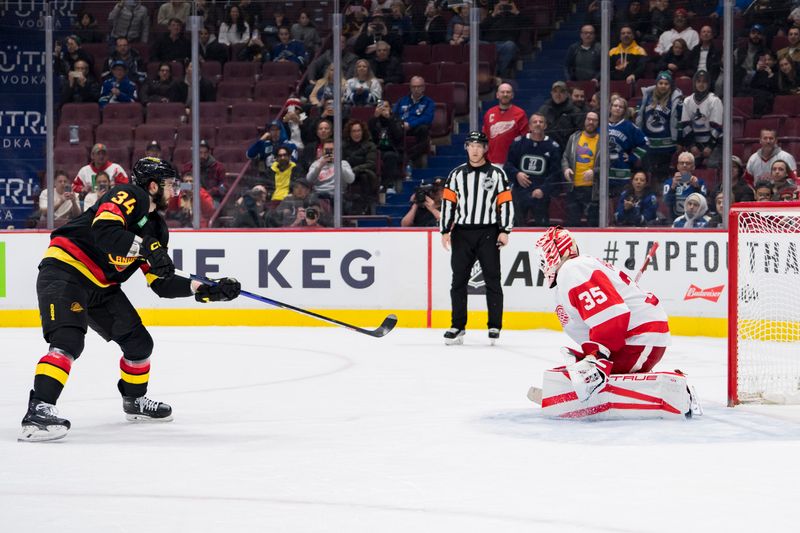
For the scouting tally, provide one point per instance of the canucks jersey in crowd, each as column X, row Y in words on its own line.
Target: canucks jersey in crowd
column 626, row 145
column 540, row 160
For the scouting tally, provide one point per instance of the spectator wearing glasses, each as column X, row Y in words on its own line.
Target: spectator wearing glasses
column 583, row 58
column 678, row 188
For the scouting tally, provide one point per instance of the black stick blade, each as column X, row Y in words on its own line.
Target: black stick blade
column 388, row 325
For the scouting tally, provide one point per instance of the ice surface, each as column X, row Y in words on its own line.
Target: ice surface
column 321, row 429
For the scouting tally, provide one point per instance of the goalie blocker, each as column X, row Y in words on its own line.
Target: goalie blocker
column 624, row 396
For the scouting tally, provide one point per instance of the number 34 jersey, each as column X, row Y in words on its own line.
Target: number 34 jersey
column 97, row 242
column 597, row 303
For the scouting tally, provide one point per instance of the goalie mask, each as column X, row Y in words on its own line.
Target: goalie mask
column 555, row 247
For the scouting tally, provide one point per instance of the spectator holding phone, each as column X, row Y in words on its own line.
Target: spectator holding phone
column 102, row 184
column 81, row 86
column 65, row 202
column 180, row 207
column 321, row 173
column 678, row 188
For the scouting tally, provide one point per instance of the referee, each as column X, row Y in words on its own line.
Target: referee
column 477, row 215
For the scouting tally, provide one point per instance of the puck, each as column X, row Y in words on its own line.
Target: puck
column 630, row 263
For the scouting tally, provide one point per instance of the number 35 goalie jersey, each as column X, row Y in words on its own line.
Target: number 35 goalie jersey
column 597, row 303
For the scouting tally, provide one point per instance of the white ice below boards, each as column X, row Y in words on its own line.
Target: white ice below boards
column 320, row 429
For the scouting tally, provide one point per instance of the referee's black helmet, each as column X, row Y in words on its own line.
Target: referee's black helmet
column 476, row 137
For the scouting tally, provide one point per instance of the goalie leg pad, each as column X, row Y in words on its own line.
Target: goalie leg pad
column 625, row 396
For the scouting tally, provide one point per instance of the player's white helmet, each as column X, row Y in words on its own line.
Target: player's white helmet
column 555, row 247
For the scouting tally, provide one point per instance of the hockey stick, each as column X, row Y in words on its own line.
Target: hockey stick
column 650, row 254
column 386, row 326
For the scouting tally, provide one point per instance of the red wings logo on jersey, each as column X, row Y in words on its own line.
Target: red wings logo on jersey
column 562, row 315
column 499, row 128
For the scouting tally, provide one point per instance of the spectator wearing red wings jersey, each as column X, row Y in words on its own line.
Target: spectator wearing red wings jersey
column 502, row 124
column 620, row 328
column 85, row 181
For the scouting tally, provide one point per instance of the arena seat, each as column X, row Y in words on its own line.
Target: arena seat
column 129, row 114
column 207, row 131
column 256, row 113
column 238, row 135
column 234, row 91
column 114, row 134
column 88, row 113
column 164, row 113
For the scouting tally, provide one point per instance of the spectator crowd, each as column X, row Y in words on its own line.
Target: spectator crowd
column 665, row 119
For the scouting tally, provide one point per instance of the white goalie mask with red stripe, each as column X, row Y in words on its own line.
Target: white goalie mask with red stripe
column 555, row 247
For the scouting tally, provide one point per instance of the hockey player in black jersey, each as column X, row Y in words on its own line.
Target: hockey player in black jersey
column 79, row 285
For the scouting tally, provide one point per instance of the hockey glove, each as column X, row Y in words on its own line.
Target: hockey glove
column 225, row 289
column 157, row 257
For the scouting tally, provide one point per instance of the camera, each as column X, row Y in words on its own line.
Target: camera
column 328, row 152
column 505, row 8
column 312, row 212
column 186, row 186
column 421, row 193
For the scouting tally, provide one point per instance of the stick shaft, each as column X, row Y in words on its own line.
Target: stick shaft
column 387, row 325
column 650, row 254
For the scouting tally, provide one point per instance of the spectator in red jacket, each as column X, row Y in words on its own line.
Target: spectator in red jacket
column 180, row 206
column 212, row 173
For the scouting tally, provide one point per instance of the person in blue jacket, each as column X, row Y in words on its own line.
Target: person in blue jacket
column 264, row 148
column 288, row 49
column 638, row 205
column 118, row 88
column 416, row 111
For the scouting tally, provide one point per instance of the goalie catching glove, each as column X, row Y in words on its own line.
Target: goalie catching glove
column 590, row 374
column 157, row 258
column 225, row 289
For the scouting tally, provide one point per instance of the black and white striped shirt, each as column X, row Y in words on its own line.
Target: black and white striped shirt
column 477, row 196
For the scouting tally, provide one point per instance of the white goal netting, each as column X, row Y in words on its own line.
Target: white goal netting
column 767, row 350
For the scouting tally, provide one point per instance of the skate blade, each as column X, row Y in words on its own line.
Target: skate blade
column 492, row 342
column 454, row 342
column 37, row 434
column 146, row 419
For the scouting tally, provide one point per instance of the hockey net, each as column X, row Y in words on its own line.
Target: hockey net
column 764, row 303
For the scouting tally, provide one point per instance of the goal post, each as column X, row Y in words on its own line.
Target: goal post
column 764, row 303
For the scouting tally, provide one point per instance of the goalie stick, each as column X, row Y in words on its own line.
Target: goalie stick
column 386, row 326
column 650, row 254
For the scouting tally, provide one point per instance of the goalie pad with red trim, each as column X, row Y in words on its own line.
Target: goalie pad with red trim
column 624, row 396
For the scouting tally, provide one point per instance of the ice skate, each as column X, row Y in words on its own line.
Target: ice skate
column 41, row 422
column 454, row 336
column 494, row 335
column 143, row 409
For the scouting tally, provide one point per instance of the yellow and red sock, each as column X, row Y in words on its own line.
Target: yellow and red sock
column 51, row 376
column 134, row 376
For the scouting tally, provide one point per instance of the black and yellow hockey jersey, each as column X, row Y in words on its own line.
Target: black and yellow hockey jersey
column 97, row 243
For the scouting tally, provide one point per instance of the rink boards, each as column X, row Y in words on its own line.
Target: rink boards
column 361, row 275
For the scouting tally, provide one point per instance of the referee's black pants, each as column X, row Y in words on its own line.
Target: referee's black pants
column 467, row 245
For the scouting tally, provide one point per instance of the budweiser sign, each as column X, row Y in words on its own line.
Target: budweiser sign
column 711, row 294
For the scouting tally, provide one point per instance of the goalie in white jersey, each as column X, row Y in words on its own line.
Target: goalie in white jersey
column 620, row 328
